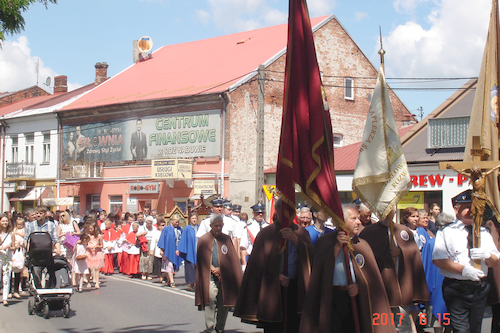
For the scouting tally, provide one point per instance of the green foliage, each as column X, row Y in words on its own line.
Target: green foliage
column 11, row 18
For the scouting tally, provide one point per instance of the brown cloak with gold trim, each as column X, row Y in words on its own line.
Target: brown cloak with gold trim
column 371, row 300
column 230, row 270
column 409, row 285
column 260, row 294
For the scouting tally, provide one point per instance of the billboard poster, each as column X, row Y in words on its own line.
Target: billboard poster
column 180, row 135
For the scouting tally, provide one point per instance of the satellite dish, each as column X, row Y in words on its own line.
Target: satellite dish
column 145, row 44
column 47, row 81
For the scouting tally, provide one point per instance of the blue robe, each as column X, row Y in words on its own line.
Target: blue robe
column 434, row 280
column 168, row 244
column 187, row 245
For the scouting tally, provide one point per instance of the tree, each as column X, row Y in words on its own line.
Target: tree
column 11, row 19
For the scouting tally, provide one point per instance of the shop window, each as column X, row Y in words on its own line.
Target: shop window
column 181, row 203
column 349, row 88
column 95, row 202
column 46, row 147
column 115, row 204
column 76, row 206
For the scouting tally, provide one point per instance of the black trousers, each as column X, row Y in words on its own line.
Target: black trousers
column 342, row 320
column 37, row 276
column 495, row 322
column 465, row 301
column 293, row 319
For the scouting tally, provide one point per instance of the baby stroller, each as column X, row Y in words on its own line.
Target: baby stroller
column 49, row 277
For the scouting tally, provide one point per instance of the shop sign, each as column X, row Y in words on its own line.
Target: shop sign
column 132, row 205
column 143, row 188
column 172, row 169
column 436, row 180
column 412, row 199
column 204, row 186
column 180, row 135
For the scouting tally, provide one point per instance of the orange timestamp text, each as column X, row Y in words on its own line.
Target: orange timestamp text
column 397, row 318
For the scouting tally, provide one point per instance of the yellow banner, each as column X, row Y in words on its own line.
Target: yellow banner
column 269, row 191
column 412, row 199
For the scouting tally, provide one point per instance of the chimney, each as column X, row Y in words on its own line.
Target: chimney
column 101, row 72
column 60, row 84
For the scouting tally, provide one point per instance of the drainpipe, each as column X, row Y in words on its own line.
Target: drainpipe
column 58, row 165
column 4, row 125
column 223, row 143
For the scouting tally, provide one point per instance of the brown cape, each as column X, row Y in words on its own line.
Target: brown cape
column 494, row 273
column 409, row 285
column 230, row 270
column 371, row 301
column 260, row 294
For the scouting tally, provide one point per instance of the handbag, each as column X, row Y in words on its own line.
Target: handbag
column 70, row 240
column 18, row 261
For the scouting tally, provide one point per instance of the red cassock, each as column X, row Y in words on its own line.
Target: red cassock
column 109, row 235
column 133, row 259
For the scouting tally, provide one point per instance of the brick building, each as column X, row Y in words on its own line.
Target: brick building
column 16, row 96
column 214, row 80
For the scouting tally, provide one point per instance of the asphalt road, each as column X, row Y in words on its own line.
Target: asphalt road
column 128, row 305
column 121, row 304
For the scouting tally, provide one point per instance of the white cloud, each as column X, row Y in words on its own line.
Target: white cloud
column 320, row 7
column 407, row 6
column 359, row 16
column 18, row 67
column 242, row 15
column 452, row 45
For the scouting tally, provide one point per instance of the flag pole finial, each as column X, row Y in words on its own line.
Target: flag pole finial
column 381, row 51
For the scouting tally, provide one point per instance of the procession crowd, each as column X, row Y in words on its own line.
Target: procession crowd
column 405, row 277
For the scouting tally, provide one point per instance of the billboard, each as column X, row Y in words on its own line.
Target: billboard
column 180, row 135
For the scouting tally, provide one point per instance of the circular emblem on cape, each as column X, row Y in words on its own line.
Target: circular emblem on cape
column 223, row 249
column 360, row 259
column 422, row 239
column 404, row 235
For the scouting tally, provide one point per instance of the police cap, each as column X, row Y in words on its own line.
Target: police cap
column 259, row 207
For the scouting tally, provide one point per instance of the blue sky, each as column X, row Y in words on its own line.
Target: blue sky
column 422, row 38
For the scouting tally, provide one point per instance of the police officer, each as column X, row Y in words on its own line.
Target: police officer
column 465, row 288
column 217, row 209
column 250, row 231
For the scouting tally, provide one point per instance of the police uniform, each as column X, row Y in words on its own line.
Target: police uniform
column 250, row 231
column 229, row 224
column 465, row 294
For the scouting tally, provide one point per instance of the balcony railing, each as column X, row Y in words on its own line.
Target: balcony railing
column 86, row 170
column 20, row 170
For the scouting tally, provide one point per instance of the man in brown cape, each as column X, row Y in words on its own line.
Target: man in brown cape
column 268, row 296
column 401, row 267
column 218, row 275
column 328, row 304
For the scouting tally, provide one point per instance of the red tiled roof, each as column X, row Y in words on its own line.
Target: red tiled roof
column 23, row 104
column 39, row 102
column 205, row 66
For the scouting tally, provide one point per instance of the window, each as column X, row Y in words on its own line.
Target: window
column 30, row 147
column 95, row 201
column 115, row 204
column 349, row 88
column 337, row 141
column 182, row 204
column 46, row 147
column 76, row 206
column 15, row 149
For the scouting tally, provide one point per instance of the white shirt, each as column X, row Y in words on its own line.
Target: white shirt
column 254, row 228
column 451, row 243
column 154, row 243
column 228, row 227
